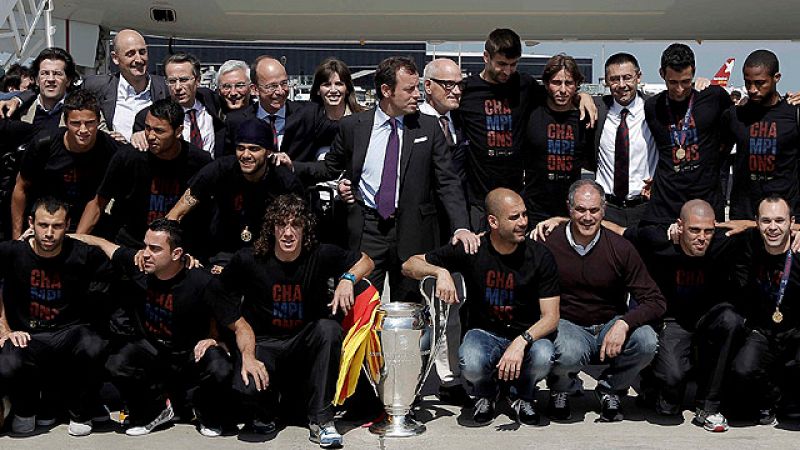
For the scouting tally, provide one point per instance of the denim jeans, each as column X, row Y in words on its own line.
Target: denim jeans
column 481, row 351
column 577, row 346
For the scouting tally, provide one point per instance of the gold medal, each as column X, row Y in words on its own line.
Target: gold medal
column 246, row 235
column 680, row 153
column 777, row 316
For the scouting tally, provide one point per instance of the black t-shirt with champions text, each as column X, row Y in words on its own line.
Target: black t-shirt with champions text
column 69, row 176
column 767, row 142
column 689, row 169
column 556, row 147
column 493, row 118
column 281, row 297
column 503, row 291
column 145, row 187
column 49, row 293
column 175, row 313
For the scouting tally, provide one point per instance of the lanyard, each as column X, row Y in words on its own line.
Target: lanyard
column 787, row 267
column 680, row 139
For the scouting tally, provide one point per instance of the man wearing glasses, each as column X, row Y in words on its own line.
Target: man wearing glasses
column 626, row 152
column 234, row 88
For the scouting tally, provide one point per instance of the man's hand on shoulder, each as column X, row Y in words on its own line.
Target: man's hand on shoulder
column 470, row 240
column 543, row 229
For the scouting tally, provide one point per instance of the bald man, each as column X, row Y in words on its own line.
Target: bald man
column 513, row 292
column 701, row 326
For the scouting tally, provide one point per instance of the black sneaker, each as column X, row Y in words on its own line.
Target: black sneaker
column 610, row 407
column 767, row 417
column 526, row 414
column 666, row 408
column 484, row 411
column 558, row 407
column 453, row 395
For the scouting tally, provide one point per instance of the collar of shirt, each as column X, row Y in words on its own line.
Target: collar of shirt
column 580, row 248
column 635, row 107
column 382, row 119
column 56, row 108
column 197, row 107
column 264, row 115
column 125, row 90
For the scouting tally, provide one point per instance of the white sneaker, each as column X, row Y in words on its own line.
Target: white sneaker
column 23, row 425
column 79, row 428
column 712, row 422
column 166, row 415
column 210, row 431
column 325, row 435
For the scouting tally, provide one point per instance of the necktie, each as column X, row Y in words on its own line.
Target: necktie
column 272, row 120
column 445, row 123
column 194, row 130
column 622, row 157
column 385, row 196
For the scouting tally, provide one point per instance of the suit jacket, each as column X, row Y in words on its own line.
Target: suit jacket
column 426, row 173
column 603, row 104
column 210, row 101
column 104, row 88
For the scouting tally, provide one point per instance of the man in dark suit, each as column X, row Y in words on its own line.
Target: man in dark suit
column 398, row 162
column 626, row 152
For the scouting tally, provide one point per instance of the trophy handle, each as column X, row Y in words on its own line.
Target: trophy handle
column 427, row 288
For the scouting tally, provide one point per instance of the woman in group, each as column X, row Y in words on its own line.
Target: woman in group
column 335, row 95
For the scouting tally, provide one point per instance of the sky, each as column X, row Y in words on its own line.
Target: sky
column 709, row 56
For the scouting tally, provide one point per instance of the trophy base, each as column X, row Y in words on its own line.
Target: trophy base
column 397, row 426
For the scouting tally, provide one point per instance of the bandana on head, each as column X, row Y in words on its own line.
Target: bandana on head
column 256, row 132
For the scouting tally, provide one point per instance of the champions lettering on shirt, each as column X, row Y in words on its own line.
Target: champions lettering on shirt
column 45, row 290
column 500, row 294
column 164, row 194
column 499, row 127
column 763, row 148
column 560, row 151
column 686, row 157
column 158, row 314
column 72, row 177
column 287, row 306
column 688, row 282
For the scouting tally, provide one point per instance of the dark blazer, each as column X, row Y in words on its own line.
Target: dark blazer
column 426, row 173
column 306, row 123
column 603, row 104
column 210, row 101
column 104, row 88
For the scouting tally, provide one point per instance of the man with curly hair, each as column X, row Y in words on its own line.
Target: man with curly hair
column 278, row 305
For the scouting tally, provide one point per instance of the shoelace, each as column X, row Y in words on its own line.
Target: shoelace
column 560, row 400
column 525, row 407
column 612, row 401
column 482, row 405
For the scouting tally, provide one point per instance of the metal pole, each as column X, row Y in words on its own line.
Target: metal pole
column 48, row 23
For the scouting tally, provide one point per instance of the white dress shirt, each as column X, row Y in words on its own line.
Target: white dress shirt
column 376, row 153
column 280, row 121
column 580, row 249
column 129, row 103
column 428, row 109
column 204, row 122
column 643, row 152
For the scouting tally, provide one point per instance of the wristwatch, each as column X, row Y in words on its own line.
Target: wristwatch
column 349, row 277
column 527, row 336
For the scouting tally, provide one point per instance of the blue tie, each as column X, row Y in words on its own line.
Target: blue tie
column 386, row 192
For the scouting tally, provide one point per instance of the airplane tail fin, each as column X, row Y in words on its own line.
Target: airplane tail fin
column 724, row 73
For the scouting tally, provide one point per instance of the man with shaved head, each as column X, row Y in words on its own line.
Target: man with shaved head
column 701, row 325
column 513, row 292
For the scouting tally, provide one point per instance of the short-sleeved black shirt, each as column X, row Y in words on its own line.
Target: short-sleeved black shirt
column 281, row 297
column 503, row 291
column 240, row 203
column 49, row 293
column 693, row 173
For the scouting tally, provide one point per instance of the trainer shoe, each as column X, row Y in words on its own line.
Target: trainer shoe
column 325, row 435
column 23, row 425
column 166, row 415
column 558, row 407
column 666, row 407
column 767, row 417
column 79, row 428
column 610, row 407
column 210, row 431
column 712, row 422
column 526, row 414
column 484, row 411
column 261, row 427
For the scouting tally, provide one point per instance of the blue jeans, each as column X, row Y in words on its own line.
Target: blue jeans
column 481, row 351
column 578, row 346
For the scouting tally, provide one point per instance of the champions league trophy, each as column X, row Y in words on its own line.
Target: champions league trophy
column 400, row 327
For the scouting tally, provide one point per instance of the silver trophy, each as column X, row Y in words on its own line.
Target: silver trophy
column 401, row 326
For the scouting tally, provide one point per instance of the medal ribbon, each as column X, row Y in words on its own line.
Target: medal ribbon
column 787, row 267
column 681, row 139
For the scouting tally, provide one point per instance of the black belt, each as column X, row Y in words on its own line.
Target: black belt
column 372, row 212
column 636, row 200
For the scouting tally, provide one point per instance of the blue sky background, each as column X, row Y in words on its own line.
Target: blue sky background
column 709, row 55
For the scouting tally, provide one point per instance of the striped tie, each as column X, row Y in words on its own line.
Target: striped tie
column 194, row 130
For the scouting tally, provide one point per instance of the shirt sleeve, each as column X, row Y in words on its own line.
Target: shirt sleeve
column 225, row 292
column 116, row 175
column 337, row 259
column 34, row 159
column 451, row 257
column 123, row 261
column 549, row 285
column 203, row 182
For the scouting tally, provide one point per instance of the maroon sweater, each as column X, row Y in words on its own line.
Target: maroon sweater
column 593, row 286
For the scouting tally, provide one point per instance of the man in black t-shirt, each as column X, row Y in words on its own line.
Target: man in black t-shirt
column 767, row 366
column 494, row 111
column 767, row 137
column 556, row 141
column 280, row 310
column 512, row 307
column 146, row 185
column 687, row 127
column 701, row 325
column 68, row 164
column 176, row 350
column 42, row 317
column 241, row 186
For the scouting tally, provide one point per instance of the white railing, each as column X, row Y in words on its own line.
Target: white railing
column 21, row 32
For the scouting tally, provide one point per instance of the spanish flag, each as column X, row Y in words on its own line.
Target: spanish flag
column 361, row 346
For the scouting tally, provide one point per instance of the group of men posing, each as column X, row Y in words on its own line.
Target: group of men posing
column 125, row 175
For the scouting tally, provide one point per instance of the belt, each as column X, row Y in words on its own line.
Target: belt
column 635, row 200
column 372, row 212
